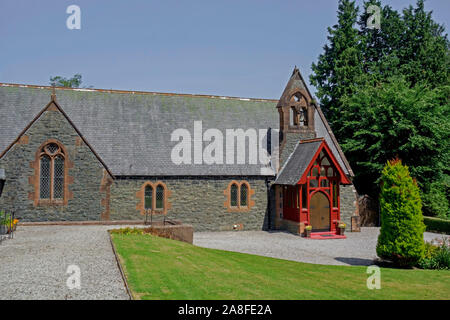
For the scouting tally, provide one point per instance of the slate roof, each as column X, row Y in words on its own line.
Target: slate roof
column 130, row 131
column 297, row 162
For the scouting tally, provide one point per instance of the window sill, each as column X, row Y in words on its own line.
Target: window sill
column 48, row 202
column 238, row 209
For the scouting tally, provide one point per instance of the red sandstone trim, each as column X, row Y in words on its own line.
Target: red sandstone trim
column 227, row 193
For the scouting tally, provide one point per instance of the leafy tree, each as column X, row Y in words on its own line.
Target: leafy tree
column 73, row 82
column 402, row 227
column 340, row 64
column 392, row 119
column 393, row 99
column 424, row 54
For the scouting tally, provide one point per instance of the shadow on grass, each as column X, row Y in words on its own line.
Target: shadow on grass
column 356, row 261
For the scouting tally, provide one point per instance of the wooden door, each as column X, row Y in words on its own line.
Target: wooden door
column 319, row 209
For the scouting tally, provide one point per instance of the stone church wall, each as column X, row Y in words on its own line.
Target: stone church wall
column 84, row 177
column 199, row 201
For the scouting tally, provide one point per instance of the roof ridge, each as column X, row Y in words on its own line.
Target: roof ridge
column 18, row 85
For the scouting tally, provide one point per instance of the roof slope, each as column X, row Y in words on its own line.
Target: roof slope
column 305, row 152
column 131, row 131
column 297, row 162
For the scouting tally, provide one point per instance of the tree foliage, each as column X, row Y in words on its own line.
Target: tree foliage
column 340, row 64
column 74, row 82
column 401, row 233
column 392, row 119
column 392, row 98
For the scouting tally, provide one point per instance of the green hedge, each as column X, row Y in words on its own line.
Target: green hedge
column 437, row 225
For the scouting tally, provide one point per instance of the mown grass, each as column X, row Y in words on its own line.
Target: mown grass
column 158, row 268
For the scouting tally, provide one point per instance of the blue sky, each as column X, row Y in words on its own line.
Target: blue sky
column 233, row 48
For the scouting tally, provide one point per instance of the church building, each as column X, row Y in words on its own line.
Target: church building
column 108, row 155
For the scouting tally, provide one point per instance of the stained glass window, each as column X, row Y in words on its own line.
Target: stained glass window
column 52, row 166
column 58, row 182
column 234, row 195
column 148, row 197
column 52, row 148
column 159, row 197
column 244, row 194
column 45, row 178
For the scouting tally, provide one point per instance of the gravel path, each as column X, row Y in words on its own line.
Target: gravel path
column 358, row 249
column 33, row 265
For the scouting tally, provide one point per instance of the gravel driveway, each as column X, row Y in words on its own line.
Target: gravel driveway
column 358, row 249
column 33, row 265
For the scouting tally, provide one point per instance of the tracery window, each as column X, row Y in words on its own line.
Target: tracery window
column 52, row 164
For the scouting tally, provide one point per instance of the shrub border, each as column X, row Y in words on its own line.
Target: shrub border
column 437, row 225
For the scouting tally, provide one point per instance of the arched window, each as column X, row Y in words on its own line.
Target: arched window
column 234, row 195
column 45, row 177
column 148, row 204
column 159, row 197
column 58, row 181
column 52, row 160
column 298, row 112
column 244, row 195
column 239, row 196
column 153, row 196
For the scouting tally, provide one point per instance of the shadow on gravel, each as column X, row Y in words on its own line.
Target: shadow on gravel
column 356, row 261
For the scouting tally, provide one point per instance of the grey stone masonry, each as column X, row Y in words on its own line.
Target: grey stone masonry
column 290, row 140
column 199, row 201
column 348, row 204
column 87, row 173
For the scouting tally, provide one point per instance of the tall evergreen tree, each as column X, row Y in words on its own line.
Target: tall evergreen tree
column 379, row 46
column 340, row 65
column 424, row 54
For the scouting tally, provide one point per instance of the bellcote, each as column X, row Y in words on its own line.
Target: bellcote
column 295, row 106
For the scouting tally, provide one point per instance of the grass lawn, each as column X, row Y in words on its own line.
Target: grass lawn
column 158, row 268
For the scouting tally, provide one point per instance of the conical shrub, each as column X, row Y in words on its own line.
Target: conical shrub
column 402, row 227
